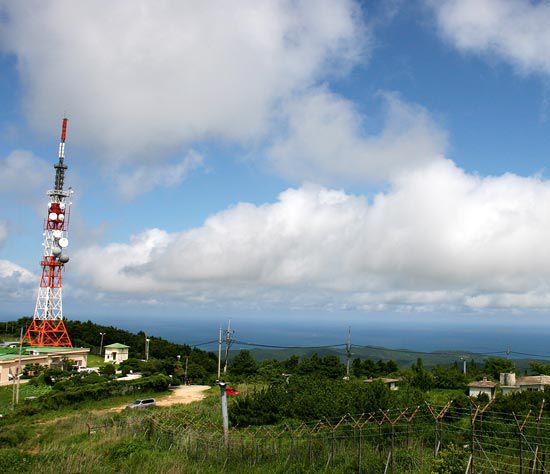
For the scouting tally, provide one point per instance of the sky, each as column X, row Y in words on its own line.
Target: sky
column 283, row 160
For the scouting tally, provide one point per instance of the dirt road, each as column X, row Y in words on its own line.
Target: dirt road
column 182, row 394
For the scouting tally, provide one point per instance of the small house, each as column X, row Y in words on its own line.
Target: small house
column 475, row 389
column 391, row 383
column 116, row 353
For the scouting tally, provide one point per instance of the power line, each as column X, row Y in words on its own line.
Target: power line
column 254, row 344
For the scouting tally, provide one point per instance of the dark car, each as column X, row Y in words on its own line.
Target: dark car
column 145, row 403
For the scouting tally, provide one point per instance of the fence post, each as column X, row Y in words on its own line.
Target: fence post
column 521, row 427
column 472, row 439
column 537, row 462
column 360, row 451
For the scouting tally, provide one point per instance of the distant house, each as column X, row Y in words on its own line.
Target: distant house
column 116, row 353
column 530, row 383
column 475, row 389
column 392, row 384
column 48, row 356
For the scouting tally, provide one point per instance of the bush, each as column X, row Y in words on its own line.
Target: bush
column 309, row 398
column 98, row 391
column 452, row 460
column 12, row 437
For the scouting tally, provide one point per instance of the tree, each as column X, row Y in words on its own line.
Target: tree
column 494, row 366
column 243, row 364
column 107, row 369
column 539, row 368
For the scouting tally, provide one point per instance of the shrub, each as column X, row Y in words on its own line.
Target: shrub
column 98, row 391
column 451, row 460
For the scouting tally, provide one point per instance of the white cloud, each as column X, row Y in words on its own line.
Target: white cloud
column 513, row 30
column 15, row 281
column 143, row 178
column 26, row 177
column 438, row 237
column 137, row 76
column 3, row 231
column 325, row 140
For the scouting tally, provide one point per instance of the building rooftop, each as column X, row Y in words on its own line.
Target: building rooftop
column 533, row 380
column 8, row 353
column 117, row 345
column 482, row 384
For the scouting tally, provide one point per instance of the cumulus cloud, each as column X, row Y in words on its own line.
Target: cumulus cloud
column 137, row 76
column 3, row 231
column 437, row 237
column 325, row 140
column 25, row 176
column 15, row 281
column 143, row 178
column 513, row 30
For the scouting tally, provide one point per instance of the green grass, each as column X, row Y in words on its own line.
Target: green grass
column 95, row 360
column 25, row 390
column 440, row 396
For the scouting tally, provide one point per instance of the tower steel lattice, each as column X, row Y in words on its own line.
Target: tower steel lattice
column 47, row 327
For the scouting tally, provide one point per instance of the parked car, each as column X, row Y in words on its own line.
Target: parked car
column 145, row 403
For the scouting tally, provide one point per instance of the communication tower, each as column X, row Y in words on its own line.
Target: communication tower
column 47, row 327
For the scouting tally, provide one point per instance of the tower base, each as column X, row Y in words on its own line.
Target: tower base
column 48, row 332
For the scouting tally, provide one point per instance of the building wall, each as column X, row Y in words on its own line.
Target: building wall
column 476, row 391
column 116, row 355
column 80, row 358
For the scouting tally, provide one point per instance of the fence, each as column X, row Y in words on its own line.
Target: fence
column 395, row 440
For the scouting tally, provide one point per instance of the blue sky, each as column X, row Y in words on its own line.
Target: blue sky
column 284, row 159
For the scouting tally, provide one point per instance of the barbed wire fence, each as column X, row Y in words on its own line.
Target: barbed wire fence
column 394, row 440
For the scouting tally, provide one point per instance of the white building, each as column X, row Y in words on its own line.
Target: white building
column 475, row 389
column 47, row 356
column 116, row 353
column 530, row 383
column 392, row 384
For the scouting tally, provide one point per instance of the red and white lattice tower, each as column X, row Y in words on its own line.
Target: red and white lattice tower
column 47, row 327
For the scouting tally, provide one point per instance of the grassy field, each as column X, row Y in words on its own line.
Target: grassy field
column 25, row 390
column 95, row 361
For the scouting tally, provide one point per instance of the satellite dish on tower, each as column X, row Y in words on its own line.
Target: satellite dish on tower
column 63, row 242
column 57, row 234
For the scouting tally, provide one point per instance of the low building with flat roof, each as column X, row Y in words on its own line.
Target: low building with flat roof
column 509, row 383
column 488, row 387
column 47, row 356
column 116, row 353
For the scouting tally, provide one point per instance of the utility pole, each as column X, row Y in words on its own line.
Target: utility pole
column 225, row 418
column 219, row 353
column 348, row 352
column 463, row 359
column 185, row 375
column 19, row 366
column 102, row 334
column 17, row 375
column 147, row 348
column 228, row 335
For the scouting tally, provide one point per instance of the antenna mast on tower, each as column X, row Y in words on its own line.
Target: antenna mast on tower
column 47, row 327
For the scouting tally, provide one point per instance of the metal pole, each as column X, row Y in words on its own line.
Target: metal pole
column 228, row 341
column 348, row 352
column 101, row 344
column 147, row 348
column 19, row 366
column 225, row 418
column 219, row 353
column 185, row 375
